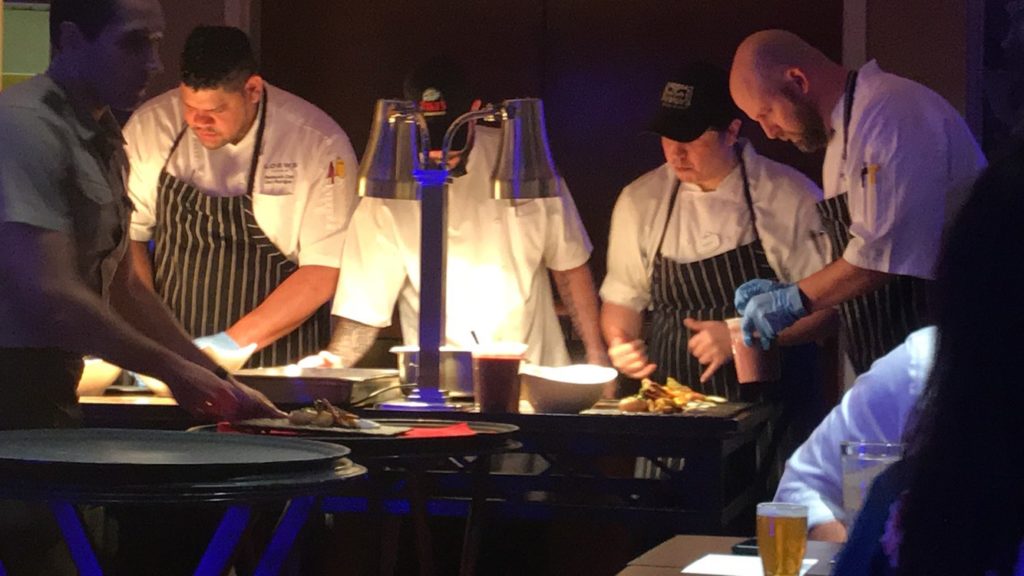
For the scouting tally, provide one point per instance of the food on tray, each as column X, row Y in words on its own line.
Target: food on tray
column 667, row 398
column 323, row 414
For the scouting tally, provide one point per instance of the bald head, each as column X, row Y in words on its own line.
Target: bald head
column 765, row 56
column 787, row 85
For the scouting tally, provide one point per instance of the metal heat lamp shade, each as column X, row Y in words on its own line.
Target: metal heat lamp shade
column 524, row 168
column 394, row 152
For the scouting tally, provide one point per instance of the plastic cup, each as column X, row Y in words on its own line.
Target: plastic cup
column 496, row 376
column 862, row 462
column 753, row 364
column 781, row 537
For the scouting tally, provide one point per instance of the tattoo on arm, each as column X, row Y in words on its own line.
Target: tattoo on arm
column 350, row 340
column 565, row 293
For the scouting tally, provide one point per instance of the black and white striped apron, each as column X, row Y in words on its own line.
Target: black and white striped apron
column 213, row 263
column 704, row 290
column 877, row 322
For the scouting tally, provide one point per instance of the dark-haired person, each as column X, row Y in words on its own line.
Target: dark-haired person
column 66, row 285
column 955, row 504
column 899, row 162
column 686, row 234
column 246, row 191
column 500, row 252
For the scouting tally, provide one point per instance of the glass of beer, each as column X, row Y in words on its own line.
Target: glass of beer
column 781, row 537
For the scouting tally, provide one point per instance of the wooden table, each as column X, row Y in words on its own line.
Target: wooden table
column 671, row 556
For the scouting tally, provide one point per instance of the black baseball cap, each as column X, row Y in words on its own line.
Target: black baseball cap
column 694, row 99
column 439, row 87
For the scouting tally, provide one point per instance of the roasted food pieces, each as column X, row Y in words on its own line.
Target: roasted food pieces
column 667, row 398
column 323, row 414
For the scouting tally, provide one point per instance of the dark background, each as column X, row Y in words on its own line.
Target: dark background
column 599, row 66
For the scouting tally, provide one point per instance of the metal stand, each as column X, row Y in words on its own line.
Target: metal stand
column 433, row 275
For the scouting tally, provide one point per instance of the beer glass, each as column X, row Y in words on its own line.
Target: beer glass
column 781, row 537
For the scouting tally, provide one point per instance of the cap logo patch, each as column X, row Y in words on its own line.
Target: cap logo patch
column 677, row 96
column 432, row 103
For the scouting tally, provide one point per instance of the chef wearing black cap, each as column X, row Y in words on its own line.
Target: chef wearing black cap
column 686, row 234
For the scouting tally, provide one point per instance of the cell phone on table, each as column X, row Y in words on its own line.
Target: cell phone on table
column 746, row 547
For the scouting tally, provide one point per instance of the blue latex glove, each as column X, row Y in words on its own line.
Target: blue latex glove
column 752, row 288
column 769, row 313
column 219, row 340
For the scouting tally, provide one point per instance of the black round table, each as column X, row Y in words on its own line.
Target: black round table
column 159, row 467
column 410, row 458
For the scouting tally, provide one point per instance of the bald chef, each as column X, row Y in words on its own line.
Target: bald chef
column 246, row 191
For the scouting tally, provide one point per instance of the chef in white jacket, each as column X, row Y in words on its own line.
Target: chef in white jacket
column 502, row 254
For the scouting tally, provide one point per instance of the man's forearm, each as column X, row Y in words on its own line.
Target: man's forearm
column 817, row 327
column 838, row 282
column 56, row 309
column 350, row 340
column 288, row 306
column 576, row 289
column 620, row 323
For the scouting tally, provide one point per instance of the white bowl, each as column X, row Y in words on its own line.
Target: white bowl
column 565, row 389
column 96, row 376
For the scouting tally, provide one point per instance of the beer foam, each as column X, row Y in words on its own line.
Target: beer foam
column 781, row 510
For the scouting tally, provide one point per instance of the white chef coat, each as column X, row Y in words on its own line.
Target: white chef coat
column 875, row 409
column 305, row 187
column 706, row 224
column 911, row 161
column 498, row 255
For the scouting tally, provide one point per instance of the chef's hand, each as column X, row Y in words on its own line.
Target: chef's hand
column 710, row 344
column 219, row 340
column 630, row 358
column 752, row 288
column 252, row 404
column 323, row 359
column 771, row 312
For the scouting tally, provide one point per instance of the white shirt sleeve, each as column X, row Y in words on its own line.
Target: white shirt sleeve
column 568, row 245
column 910, row 166
column 332, row 201
column 875, row 409
column 627, row 280
column 148, row 138
column 373, row 267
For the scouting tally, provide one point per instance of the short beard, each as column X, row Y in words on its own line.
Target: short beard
column 813, row 135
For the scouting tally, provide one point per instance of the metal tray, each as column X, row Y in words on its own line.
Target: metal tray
column 294, row 386
column 122, row 456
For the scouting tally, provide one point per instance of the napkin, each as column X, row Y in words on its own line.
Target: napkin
column 729, row 565
column 460, row 429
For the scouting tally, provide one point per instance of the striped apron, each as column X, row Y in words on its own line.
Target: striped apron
column 213, row 263
column 704, row 290
column 876, row 322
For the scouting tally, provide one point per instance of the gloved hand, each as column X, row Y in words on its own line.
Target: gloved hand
column 220, row 340
column 752, row 288
column 771, row 312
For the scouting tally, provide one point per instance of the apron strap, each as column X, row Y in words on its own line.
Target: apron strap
column 851, row 86
column 668, row 217
column 738, row 149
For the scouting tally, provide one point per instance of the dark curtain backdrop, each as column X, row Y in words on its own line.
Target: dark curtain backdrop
column 598, row 65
